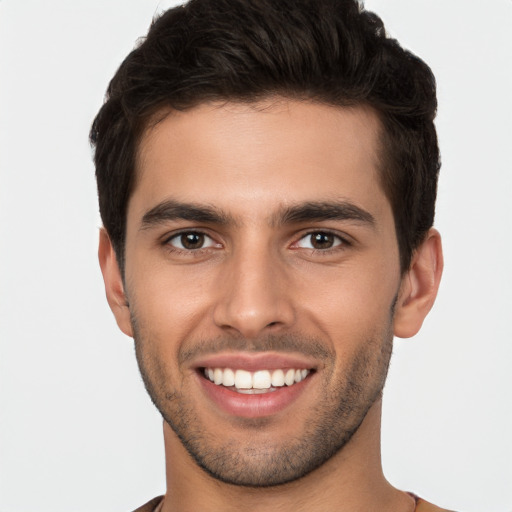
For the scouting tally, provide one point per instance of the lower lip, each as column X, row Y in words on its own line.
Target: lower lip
column 257, row 405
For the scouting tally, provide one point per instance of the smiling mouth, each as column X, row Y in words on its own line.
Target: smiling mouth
column 258, row 382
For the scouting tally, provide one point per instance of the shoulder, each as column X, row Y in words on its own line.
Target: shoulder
column 150, row 506
column 425, row 506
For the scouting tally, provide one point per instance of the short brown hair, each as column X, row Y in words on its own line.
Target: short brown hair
column 330, row 51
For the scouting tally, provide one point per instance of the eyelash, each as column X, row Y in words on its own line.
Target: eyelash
column 198, row 251
column 340, row 243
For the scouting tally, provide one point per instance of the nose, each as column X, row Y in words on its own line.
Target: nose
column 254, row 294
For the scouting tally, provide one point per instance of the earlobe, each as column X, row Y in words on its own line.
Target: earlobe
column 114, row 286
column 419, row 286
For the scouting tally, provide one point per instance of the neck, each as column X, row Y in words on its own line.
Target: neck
column 352, row 480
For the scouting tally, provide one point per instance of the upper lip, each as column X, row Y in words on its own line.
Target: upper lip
column 253, row 361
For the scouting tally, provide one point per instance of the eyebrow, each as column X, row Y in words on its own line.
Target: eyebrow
column 323, row 211
column 171, row 210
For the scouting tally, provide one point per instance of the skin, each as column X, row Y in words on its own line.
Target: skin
column 261, row 284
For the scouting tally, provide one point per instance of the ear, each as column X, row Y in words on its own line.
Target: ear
column 114, row 286
column 419, row 286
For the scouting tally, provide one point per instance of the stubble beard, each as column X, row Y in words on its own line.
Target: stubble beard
column 328, row 428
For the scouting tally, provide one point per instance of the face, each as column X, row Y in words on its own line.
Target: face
column 262, row 269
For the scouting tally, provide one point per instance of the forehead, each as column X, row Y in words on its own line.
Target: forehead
column 249, row 158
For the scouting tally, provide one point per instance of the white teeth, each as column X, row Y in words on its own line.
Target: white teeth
column 278, row 378
column 243, row 379
column 260, row 381
column 289, row 378
column 217, row 376
column 228, row 378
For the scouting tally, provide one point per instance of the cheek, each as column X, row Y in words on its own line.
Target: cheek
column 350, row 303
column 169, row 302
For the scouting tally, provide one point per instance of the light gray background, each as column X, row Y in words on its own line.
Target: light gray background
column 77, row 430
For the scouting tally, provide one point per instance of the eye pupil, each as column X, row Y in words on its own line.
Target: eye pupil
column 192, row 240
column 322, row 240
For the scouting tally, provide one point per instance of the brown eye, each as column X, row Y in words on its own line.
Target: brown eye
column 191, row 240
column 322, row 240
column 319, row 240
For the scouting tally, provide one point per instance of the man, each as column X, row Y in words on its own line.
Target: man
column 267, row 177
